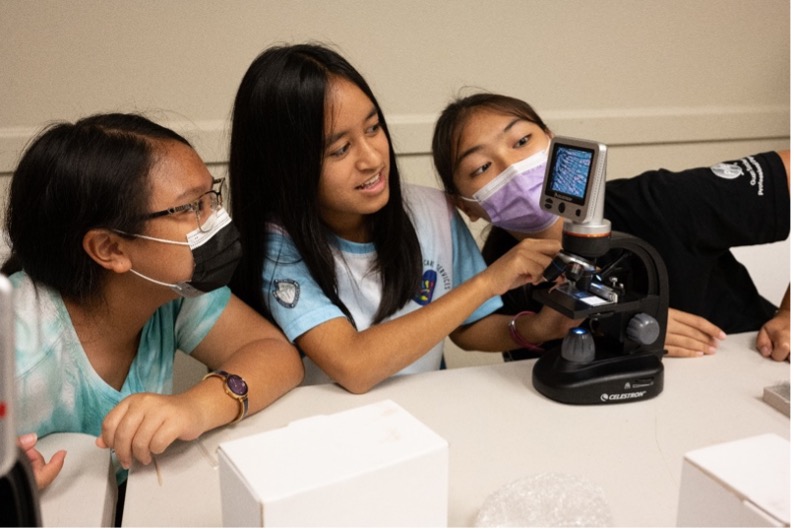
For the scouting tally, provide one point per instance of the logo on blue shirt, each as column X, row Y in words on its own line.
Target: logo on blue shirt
column 286, row 292
column 427, row 285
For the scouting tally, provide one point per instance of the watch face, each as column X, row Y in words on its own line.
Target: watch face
column 237, row 385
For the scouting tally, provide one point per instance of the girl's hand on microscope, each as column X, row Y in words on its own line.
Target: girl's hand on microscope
column 689, row 335
column 523, row 264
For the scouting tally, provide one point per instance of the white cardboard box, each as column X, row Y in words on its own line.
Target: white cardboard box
column 743, row 483
column 374, row 466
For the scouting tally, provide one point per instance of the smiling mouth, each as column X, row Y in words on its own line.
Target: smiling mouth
column 371, row 182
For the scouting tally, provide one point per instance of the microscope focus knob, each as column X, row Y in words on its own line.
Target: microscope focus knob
column 643, row 329
column 578, row 346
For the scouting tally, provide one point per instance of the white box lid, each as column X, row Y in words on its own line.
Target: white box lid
column 324, row 449
column 756, row 469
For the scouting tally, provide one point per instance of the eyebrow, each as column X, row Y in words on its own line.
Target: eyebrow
column 191, row 194
column 336, row 136
column 479, row 147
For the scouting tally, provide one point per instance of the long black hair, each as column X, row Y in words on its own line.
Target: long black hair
column 72, row 178
column 275, row 164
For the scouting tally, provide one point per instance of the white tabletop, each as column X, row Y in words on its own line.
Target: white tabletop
column 84, row 493
column 500, row 429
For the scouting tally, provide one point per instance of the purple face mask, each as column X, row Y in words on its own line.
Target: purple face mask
column 512, row 199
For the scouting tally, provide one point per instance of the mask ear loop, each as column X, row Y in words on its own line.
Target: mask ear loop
column 151, row 238
column 158, row 282
column 161, row 240
column 182, row 289
column 176, row 287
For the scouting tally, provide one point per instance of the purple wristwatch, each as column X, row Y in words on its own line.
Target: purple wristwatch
column 236, row 388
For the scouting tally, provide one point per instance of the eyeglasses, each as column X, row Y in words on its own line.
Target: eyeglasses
column 203, row 207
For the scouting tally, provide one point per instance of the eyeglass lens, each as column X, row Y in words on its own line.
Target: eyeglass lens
column 205, row 206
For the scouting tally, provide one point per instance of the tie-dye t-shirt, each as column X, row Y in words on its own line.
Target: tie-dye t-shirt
column 57, row 389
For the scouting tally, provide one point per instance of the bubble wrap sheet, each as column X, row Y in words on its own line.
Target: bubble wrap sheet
column 546, row 500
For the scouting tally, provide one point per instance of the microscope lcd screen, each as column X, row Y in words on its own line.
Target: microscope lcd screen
column 570, row 171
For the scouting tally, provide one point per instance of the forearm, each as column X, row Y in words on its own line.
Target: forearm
column 360, row 360
column 489, row 334
column 144, row 424
column 270, row 367
column 493, row 334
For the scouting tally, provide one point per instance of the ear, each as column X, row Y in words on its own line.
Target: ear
column 467, row 209
column 106, row 248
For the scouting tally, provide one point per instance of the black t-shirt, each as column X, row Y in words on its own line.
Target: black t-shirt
column 693, row 218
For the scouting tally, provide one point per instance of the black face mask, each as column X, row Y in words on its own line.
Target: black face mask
column 215, row 261
column 216, row 253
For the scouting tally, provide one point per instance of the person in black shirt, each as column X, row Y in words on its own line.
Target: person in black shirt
column 693, row 218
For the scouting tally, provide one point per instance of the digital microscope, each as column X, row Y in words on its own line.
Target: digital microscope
column 615, row 282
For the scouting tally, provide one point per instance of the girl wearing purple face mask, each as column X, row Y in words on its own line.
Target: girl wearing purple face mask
column 489, row 151
column 511, row 199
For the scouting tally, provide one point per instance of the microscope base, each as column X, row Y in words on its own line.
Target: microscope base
column 617, row 379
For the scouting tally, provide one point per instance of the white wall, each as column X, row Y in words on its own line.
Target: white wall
column 631, row 73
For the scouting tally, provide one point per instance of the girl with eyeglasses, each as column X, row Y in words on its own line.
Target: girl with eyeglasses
column 121, row 250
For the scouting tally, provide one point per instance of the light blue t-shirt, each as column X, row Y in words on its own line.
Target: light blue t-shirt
column 450, row 256
column 57, row 389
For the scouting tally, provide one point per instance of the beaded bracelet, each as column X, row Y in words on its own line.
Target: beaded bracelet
column 518, row 338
